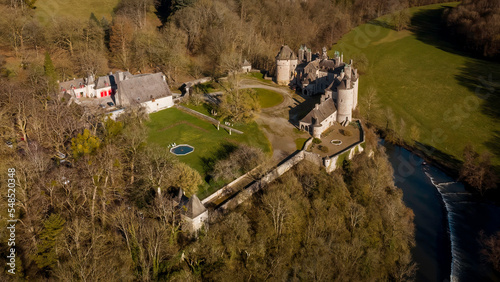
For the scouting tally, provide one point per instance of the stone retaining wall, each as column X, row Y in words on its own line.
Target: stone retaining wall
column 330, row 164
column 258, row 184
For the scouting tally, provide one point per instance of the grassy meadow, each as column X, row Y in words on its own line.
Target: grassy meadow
column 445, row 97
column 81, row 10
column 268, row 98
column 175, row 126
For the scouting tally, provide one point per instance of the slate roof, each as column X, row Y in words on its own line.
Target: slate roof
column 246, row 63
column 194, row 207
column 180, row 198
column 325, row 109
column 142, row 88
column 286, row 53
column 125, row 75
column 105, row 81
column 74, row 82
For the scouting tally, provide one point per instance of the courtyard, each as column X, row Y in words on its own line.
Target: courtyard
column 348, row 135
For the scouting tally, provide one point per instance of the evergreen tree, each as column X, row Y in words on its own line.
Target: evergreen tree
column 46, row 256
column 84, row 144
column 94, row 19
column 50, row 71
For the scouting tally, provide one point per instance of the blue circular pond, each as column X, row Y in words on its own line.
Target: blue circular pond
column 181, row 150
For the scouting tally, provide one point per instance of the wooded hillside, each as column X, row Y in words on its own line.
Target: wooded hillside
column 181, row 38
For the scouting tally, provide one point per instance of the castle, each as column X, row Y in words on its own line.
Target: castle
column 314, row 74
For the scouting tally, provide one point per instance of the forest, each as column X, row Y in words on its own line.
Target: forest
column 108, row 215
column 181, row 38
column 475, row 26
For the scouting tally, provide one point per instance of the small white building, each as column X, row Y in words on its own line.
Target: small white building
column 246, row 66
column 193, row 213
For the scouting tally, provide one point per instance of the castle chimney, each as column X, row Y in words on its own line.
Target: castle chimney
column 350, row 62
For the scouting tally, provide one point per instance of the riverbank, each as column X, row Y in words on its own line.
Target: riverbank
column 452, row 169
column 448, row 220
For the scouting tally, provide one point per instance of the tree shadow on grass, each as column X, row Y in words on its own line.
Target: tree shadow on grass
column 223, row 152
column 483, row 79
column 429, row 27
column 479, row 76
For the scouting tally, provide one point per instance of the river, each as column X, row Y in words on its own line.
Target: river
column 448, row 220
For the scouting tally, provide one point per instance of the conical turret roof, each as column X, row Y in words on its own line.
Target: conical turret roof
column 194, row 207
column 286, row 53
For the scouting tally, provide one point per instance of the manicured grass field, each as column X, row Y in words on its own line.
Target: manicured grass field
column 451, row 97
column 268, row 98
column 174, row 126
column 81, row 10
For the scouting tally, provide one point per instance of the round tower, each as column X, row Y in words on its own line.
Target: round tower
column 355, row 93
column 282, row 72
column 286, row 62
column 344, row 103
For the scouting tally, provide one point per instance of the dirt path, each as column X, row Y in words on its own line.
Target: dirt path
column 274, row 122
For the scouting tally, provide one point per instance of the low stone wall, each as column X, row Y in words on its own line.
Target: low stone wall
column 330, row 164
column 257, row 185
column 226, row 189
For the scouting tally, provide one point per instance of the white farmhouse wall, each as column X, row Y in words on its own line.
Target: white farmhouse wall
column 195, row 224
column 158, row 104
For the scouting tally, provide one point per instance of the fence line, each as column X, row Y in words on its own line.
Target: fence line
column 210, row 119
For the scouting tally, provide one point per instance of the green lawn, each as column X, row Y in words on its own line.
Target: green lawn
column 256, row 75
column 174, row 126
column 268, row 98
column 207, row 87
column 427, row 82
column 299, row 142
column 81, row 10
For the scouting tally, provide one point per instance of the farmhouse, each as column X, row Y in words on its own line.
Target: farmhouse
column 317, row 74
column 124, row 89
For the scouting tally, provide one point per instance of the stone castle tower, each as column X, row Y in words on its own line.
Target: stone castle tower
column 347, row 93
column 286, row 62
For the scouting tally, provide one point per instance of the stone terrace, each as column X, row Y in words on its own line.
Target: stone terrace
column 334, row 133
